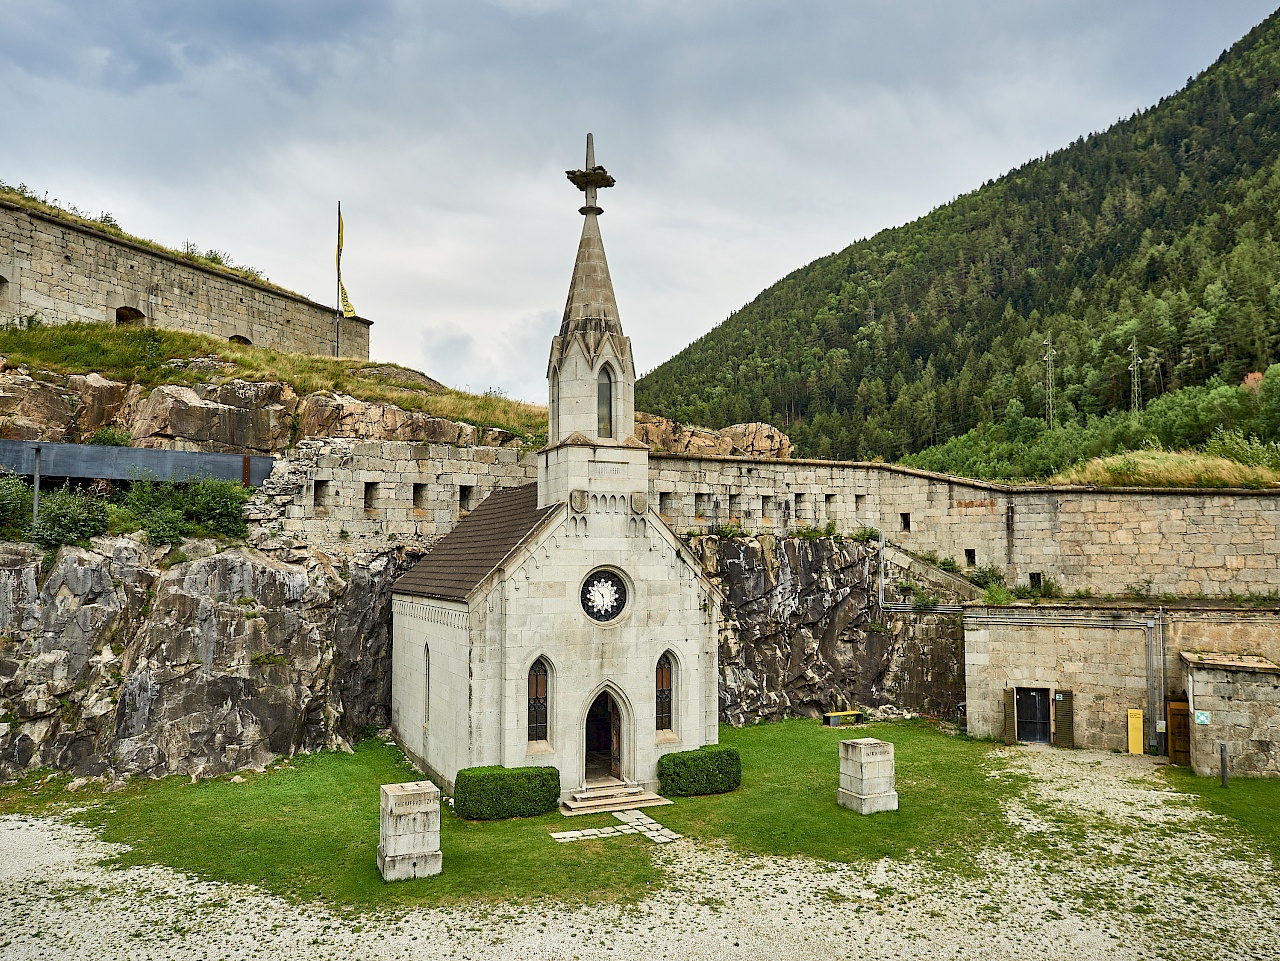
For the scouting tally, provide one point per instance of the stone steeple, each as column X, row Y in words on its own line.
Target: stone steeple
column 591, row 307
column 591, row 373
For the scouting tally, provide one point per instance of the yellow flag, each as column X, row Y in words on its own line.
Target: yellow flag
column 347, row 309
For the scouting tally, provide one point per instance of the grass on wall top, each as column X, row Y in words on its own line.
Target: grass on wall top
column 1163, row 468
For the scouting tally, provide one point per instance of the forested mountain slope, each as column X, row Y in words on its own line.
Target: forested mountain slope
column 1161, row 229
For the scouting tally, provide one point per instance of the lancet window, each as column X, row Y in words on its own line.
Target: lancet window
column 664, row 693
column 538, row 701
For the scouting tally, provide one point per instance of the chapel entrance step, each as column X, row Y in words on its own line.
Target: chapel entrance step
column 606, row 790
column 599, row 799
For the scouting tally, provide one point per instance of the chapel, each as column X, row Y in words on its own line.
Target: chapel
column 563, row 623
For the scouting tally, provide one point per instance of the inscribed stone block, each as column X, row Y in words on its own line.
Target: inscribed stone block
column 866, row 776
column 409, row 839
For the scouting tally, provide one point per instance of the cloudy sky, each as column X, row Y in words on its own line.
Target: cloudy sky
column 748, row 138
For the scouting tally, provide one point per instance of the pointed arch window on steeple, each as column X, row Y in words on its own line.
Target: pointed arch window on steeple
column 604, row 403
column 553, row 407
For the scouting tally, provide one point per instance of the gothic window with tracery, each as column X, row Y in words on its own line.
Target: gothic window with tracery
column 664, row 693
column 538, row 701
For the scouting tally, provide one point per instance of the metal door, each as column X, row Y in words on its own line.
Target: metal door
column 1179, row 715
column 1033, row 714
column 615, row 740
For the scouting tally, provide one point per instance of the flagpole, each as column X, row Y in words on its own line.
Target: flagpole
column 337, row 297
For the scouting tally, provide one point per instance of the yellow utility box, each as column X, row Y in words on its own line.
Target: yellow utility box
column 1135, row 732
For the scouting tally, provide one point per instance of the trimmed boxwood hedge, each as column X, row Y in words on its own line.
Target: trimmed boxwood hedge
column 494, row 793
column 708, row 770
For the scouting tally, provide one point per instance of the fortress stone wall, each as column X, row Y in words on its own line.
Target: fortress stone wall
column 1113, row 659
column 1178, row 542
column 68, row 272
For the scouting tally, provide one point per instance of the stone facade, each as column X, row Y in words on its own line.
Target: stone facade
column 1178, row 542
column 1113, row 659
column 1163, row 541
column 1238, row 699
column 65, row 271
column 461, row 669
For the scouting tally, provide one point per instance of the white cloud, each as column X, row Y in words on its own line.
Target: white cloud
column 747, row 138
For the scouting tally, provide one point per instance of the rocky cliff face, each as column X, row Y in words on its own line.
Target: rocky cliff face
column 238, row 416
column 804, row 632
column 120, row 660
column 125, row 659
column 754, row 440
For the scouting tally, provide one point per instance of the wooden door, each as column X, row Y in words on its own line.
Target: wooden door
column 1179, row 715
column 615, row 740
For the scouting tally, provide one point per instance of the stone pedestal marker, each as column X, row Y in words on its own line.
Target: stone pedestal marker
column 866, row 776
column 409, row 839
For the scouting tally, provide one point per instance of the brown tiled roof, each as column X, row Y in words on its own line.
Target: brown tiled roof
column 467, row 554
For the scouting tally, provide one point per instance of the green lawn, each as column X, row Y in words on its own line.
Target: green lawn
column 1250, row 806
column 308, row 830
column 948, row 788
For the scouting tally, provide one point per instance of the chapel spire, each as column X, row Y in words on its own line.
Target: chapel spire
column 591, row 307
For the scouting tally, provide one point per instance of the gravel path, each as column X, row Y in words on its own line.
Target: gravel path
column 1115, row 867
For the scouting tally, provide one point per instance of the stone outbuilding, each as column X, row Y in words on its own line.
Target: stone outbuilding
column 563, row 623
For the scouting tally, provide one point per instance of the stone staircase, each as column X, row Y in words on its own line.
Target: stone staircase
column 612, row 795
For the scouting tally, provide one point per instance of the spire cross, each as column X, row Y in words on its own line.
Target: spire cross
column 589, row 179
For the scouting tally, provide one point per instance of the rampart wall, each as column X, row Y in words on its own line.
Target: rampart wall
column 67, row 272
column 1213, row 543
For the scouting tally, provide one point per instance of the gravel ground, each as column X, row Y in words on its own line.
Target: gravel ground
column 1114, row 867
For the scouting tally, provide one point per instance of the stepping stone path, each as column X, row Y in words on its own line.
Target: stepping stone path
column 633, row 822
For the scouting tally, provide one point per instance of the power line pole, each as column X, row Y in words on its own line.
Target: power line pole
column 1048, row 376
column 1135, row 379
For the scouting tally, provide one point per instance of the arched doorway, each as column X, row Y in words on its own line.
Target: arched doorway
column 604, row 740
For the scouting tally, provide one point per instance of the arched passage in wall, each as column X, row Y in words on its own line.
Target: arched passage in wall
column 241, row 340
column 130, row 317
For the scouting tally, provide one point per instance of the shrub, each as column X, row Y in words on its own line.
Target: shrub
column 15, row 507
column 494, row 793
column 997, row 595
column 110, row 437
column 69, row 516
column 708, row 770
column 865, row 535
column 217, row 507
column 165, row 525
column 989, row 576
column 809, row 533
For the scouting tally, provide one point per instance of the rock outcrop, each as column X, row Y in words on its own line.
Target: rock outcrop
column 756, row 440
column 125, row 659
column 233, row 416
column 803, row 633
column 118, row 663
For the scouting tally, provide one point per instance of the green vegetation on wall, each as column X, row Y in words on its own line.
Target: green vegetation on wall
column 168, row 512
column 1159, row 232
